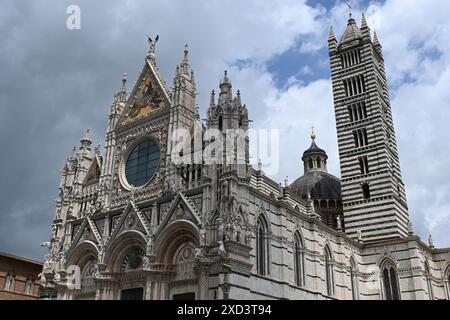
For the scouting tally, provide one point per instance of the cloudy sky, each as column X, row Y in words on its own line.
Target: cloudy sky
column 56, row 82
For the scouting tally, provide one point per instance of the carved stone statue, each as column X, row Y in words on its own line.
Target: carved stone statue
column 199, row 253
column 48, row 263
column 339, row 222
column 430, row 241
column 62, row 260
column 228, row 231
column 220, row 229
column 146, row 262
column 203, row 236
column 57, row 278
column 248, row 235
column 222, row 251
column 54, row 229
column 359, row 233
column 42, row 279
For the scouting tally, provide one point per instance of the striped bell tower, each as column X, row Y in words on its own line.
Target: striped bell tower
column 373, row 192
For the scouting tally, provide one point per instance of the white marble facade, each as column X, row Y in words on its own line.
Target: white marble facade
column 217, row 231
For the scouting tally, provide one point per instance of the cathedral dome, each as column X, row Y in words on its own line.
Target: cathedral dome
column 318, row 185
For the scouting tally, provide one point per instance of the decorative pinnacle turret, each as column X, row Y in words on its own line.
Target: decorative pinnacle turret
column 184, row 66
column 212, row 101
column 364, row 22
column 376, row 42
column 86, row 142
column 225, row 78
column 186, row 53
column 124, row 80
column 331, row 34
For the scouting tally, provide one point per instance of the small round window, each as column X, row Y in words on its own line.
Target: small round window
column 142, row 163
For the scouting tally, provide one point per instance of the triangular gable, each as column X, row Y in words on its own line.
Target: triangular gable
column 94, row 171
column 131, row 219
column 84, row 232
column 180, row 209
column 148, row 96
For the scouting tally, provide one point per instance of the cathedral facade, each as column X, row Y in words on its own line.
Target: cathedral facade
column 151, row 218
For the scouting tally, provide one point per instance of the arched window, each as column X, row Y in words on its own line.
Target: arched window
column 390, row 281
column 329, row 277
column 311, row 165
column 429, row 281
column 354, row 280
column 9, row 282
column 262, row 247
column 220, row 123
column 29, row 285
column 299, row 261
column 319, row 163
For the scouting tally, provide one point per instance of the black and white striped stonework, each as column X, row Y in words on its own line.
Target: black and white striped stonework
column 373, row 192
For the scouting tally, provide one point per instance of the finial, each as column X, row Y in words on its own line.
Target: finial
column 313, row 134
column 186, row 51
column 225, row 77
column 286, row 181
column 124, row 79
column 259, row 165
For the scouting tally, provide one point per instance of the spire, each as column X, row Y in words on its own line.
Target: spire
column 352, row 31
column 365, row 30
column 225, row 88
column 331, row 34
column 238, row 97
column 351, row 20
column 332, row 42
column 377, row 45
column 376, row 42
column 121, row 95
column 364, row 22
column 184, row 66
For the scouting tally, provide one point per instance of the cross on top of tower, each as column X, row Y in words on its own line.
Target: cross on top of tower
column 349, row 5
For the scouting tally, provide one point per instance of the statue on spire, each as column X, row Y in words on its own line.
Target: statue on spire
column 152, row 44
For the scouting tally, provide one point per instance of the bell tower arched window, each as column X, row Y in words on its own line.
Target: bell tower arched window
column 390, row 281
column 299, row 261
